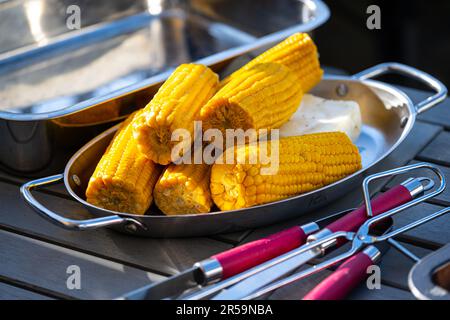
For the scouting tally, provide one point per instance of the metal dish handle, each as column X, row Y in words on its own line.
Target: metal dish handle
column 393, row 67
column 59, row 220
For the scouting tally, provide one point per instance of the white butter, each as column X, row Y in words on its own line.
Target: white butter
column 320, row 115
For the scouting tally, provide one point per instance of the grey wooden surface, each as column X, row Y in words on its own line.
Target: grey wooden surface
column 35, row 255
column 8, row 292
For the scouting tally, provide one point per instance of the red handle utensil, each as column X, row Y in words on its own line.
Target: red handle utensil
column 236, row 260
column 244, row 257
column 354, row 270
column 385, row 201
column 233, row 263
column 346, row 277
column 382, row 203
column 251, row 280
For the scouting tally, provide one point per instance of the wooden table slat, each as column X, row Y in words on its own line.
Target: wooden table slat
column 433, row 233
column 44, row 265
column 438, row 151
column 9, row 292
column 395, row 266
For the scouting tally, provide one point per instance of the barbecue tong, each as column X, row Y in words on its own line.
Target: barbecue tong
column 360, row 239
column 247, row 261
column 234, row 261
column 353, row 271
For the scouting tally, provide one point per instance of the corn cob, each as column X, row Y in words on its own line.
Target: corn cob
column 176, row 105
column 298, row 53
column 264, row 96
column 124, row 178
column 184, row 189
column 305, row 163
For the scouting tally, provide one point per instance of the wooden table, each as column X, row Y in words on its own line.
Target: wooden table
column 35, row 255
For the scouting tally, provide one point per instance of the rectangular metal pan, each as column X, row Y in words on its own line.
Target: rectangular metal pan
column 388, row 116
column 429, row 279
column 60, row 87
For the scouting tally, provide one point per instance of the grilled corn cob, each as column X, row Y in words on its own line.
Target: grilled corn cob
column 298, row 53
column 264, row 96
column 184, row 189
column 305, row 163
column 124, row 178
column 175, row 106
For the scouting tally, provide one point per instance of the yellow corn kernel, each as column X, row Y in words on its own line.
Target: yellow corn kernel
column 184, row 189
column 298, row 53
column 124, row 178
column 262, row 97
column 305, row 163
column 176, row 105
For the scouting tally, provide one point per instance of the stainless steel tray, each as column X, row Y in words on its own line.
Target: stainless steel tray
column 388, row 116
column 110, row 66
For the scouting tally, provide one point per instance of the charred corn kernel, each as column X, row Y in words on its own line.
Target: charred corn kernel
column 305, row 163
column 124, row 178
column 184, row 189
column 264, row 96
column 176, row 105
column 298, row 53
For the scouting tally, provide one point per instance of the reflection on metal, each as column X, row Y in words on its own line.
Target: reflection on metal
column 33, row 11
column 20, row 139
column 154, row 6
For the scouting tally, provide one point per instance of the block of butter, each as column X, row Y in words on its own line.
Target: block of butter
column 320, row 115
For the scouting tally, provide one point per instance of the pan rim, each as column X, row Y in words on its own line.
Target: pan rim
column 370, row 83
column 421, row 285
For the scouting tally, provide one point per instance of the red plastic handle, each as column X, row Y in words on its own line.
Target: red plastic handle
column 386, row 201
column 341, row 282
column 244, row 257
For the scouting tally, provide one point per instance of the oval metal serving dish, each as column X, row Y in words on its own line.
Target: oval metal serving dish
column 388, row 116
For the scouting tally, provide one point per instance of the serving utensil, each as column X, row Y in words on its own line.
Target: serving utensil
column 245, row 267
column 363, row 236
column 234, row 261
column 267, row 274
